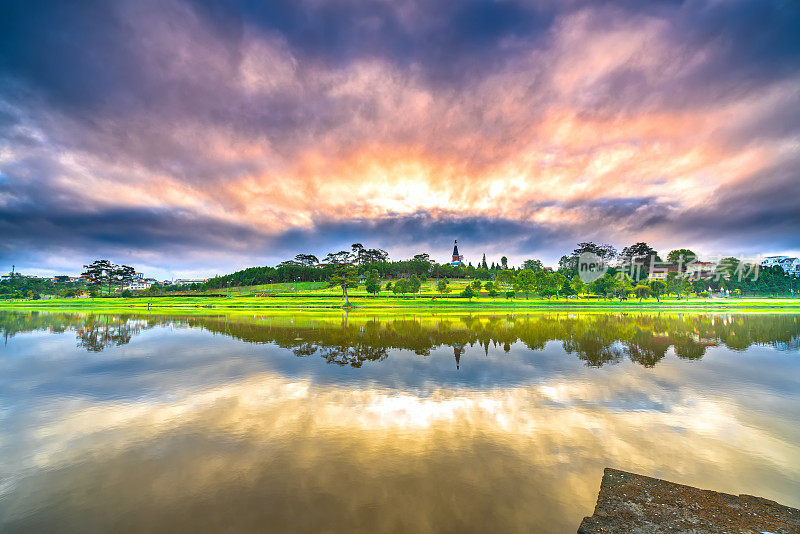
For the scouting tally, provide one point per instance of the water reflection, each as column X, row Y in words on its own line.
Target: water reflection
column 352, row 340
column 157, row 423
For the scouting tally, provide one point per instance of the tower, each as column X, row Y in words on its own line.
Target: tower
column 457, row 258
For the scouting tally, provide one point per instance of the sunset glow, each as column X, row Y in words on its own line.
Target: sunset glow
column 138, row 129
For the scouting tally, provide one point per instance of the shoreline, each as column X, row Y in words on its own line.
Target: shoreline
column 426, row 304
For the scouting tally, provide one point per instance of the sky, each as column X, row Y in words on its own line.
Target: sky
column 198, row 138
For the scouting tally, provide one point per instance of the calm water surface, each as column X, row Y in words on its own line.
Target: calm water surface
column 376, row 423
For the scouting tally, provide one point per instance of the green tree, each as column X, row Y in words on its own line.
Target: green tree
column 476, row 285
column 681, row 255
column 339, row 258
column 344, row 276
column 468, row 292
column 603, row 286
column 638, row 250
column 548, row 284
column 504, row 262
column 622, row 287
column 414, row 284
column 533, row 265
column 373, row 284
column 677, row 284
column 657, row 288
column 567, row 263
column 123, row 274
column 70, row 293
column 306, row 259
column 640, row 254
column 401, row 286
column 504, row 279
column 642, row 291
column 604, row 251
column 525, row 281
column 673, row 283
column 728, row 267
column 490, row 288
column 98, row 273
column 578, row 285
column 699, row 285
column 358, row 253
column 443, row 286
column 557, row 281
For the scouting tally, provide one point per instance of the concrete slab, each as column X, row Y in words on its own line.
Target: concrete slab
column 634, row 504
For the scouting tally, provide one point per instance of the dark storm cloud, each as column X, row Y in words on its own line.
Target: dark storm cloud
column 759, row 213
column 117, row 230
column 720, row 52
column 35, row 228
column 121, row 70
column 92, row 53
column 447, row 39
column 77, row 54
column 100, row 60
column 426, row 232
column 755, row 42
column 607, row 208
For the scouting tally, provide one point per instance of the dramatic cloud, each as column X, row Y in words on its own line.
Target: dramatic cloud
column 205, row 136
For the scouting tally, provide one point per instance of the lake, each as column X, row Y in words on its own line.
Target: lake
column 379, row 422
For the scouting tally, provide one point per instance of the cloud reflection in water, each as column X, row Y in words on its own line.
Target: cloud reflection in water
column 256, row 438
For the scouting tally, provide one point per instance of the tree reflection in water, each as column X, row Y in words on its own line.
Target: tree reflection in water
column 353, row 339
column 95, row 336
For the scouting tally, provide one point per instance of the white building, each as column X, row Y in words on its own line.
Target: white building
column 184, row 281
column 139, row 282
column 138, row 285
column 771, row 261
column 789, row 264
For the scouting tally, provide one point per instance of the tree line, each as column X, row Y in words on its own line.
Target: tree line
column 362, row 265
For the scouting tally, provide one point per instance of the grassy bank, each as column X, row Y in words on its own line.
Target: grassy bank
column 315, row 299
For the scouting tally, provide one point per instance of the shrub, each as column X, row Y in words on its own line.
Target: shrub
column 468, row 292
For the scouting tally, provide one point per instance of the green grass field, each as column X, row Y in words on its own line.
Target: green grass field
column 315, row 295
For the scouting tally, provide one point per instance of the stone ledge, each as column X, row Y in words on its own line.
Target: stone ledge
column 634, row 504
